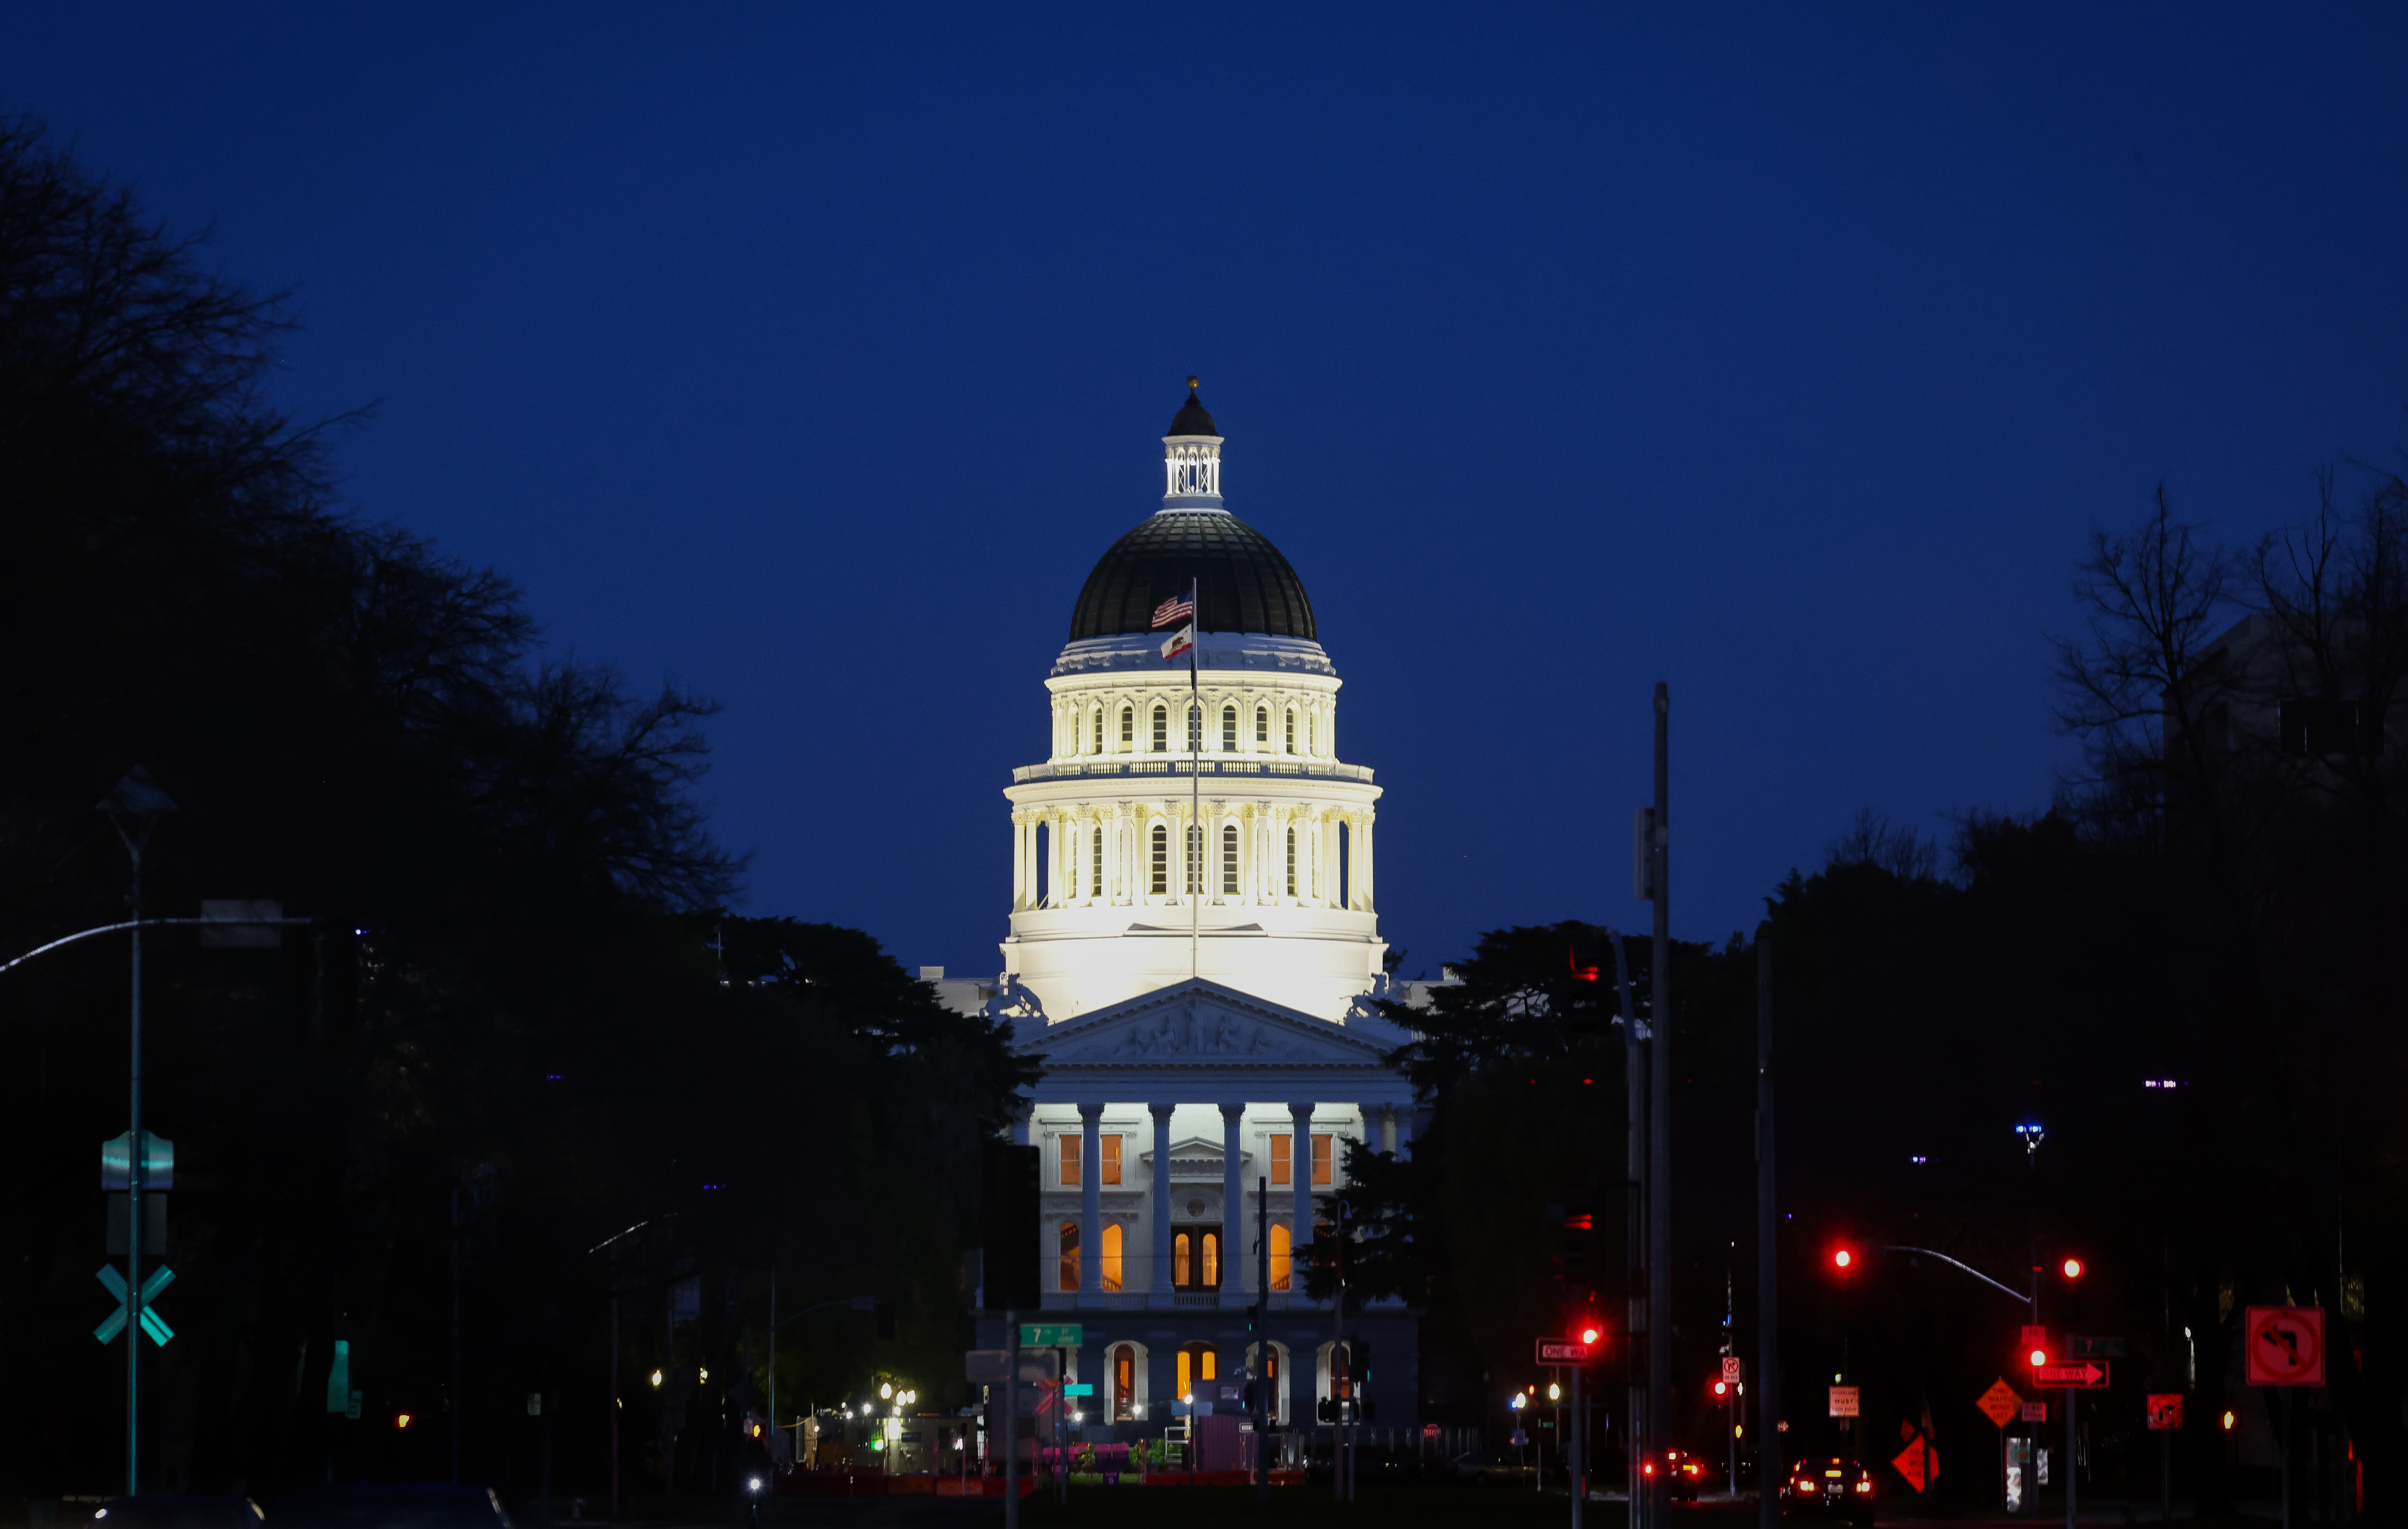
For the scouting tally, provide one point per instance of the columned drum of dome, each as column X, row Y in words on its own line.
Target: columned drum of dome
column 1229, row 808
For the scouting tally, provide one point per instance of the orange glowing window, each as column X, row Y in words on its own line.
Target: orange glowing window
column 1109, row 1147
column 1281, row 1263
column 1324, row 1157
column 1070, row 1161
column 1282, row 1159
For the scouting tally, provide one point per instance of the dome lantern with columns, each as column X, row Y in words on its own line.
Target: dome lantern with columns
column 1108, row 848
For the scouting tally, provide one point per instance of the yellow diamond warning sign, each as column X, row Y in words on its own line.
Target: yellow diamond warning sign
column 1999, row 1403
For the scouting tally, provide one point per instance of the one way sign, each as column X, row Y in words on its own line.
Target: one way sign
column 2089, row 1373
column 161, row 1278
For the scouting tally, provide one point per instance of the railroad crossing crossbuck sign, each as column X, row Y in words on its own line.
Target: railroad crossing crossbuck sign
column 160, row 1278
column 2286, row 1345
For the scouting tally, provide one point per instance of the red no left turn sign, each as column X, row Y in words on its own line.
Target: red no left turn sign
column 2286, row 1345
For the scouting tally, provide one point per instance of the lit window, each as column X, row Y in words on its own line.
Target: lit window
column 1108, row 1273
column 1283, row 1152
column 1181, row 1262
column 1229, row 730
column 1109, row 1148
column 1069, row 1255
column 1291, row 861
column 1209, row 1277
column 1069, row 1161
column 1195, row 1364
column 1323, row 1151
column 1263, row 727
column 1128, row 728
column 1281, row 1261
column 1161, row 729
column 1291, row 730
column 1229, row 860
column 1161, row 882
column 1125, row 1383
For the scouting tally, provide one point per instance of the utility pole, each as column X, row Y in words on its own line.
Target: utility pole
column 1768, row 1268
column 1659, row 1123
column 1011, row 1421
column 134, row 806
column 454, row 1402
column 1577, row 1477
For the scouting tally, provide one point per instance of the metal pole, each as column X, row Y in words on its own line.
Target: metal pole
column 1195, row 805
column 1577, row 1475
column 615, row 1401
column 134, row 1176
column 2069, row 1394
column 1768, row 1268
column 1634, row 1357
column 773, row 1374
column 455, row 1407
column 1011, row 1421
column 1659, row 1123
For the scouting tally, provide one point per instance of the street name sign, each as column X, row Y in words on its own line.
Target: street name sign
column 2165, row 1411
column 1844, row 1401
column 1999, row 1403
column 1555, row 1351
column 1079, row 1388
column 1052, row 1334
column 2088, row 1375
column 2094, row 1348
column 2286, row 1345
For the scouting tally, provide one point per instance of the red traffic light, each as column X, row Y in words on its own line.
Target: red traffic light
column 1842, row 1257
column 2038, row 1357
column 2072, row 1267
column 1591, row 1335
column 1722, row 1388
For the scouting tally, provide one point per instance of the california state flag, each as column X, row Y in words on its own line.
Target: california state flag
column 1179, row 641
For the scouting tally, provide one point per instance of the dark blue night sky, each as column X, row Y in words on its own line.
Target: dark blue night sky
column 811, row 356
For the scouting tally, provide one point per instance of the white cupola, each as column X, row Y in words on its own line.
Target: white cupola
column 1191, row 458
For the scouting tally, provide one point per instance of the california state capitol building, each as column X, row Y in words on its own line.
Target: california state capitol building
column 1192, row 951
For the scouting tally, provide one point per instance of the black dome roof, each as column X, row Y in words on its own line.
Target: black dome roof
column 1192, row 419
column 1244, row 583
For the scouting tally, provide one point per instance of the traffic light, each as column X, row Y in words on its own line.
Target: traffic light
column 1843, row 1258
column 1573, row 1229
column 1591, row 1334
column 2071, row 1268
column 1722, row 1388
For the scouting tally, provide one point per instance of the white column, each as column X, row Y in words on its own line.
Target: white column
column 1019, row 864
column 1091, row 1200
column 1299, row 1173
column 1387, row 1126
column 1160, row 1208
column 1368, row 869
column 1234, row 1222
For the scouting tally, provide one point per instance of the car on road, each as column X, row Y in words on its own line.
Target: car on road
column 177, row 1510
column 1684, row 1471
column 1830, row 1487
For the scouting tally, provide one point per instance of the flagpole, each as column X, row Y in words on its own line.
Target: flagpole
column 1195, row 793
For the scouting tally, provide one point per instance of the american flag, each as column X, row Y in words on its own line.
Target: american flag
column 1175, row 609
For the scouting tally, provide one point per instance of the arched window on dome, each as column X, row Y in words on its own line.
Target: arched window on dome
column 1195, row 729
column 1291, row 861
column 1161, row 878
column 1229, row 860
column 1099, row 732
column 1194, row 860
column 1045, row 842
column 1096, row 861
column 1128, row 728
column 1346, row 863
column 1291, row 730
column 1262, row 727
column 1311, row 734
column 1161, row 729
column 1229, row 730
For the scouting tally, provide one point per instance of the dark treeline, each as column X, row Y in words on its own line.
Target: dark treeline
column 517, row 1025
column 2213, row 903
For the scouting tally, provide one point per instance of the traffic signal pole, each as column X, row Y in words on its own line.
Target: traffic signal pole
column 1659, row 1124
column 1634, row 1074
column 1767, row 1302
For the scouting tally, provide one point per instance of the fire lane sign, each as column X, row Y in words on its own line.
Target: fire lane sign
column 2286, row 1345
column 2089, row 1375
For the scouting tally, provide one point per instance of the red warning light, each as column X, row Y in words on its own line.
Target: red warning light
column 1590, row 1335
column 2073, row 1268
column 1841, row 1258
